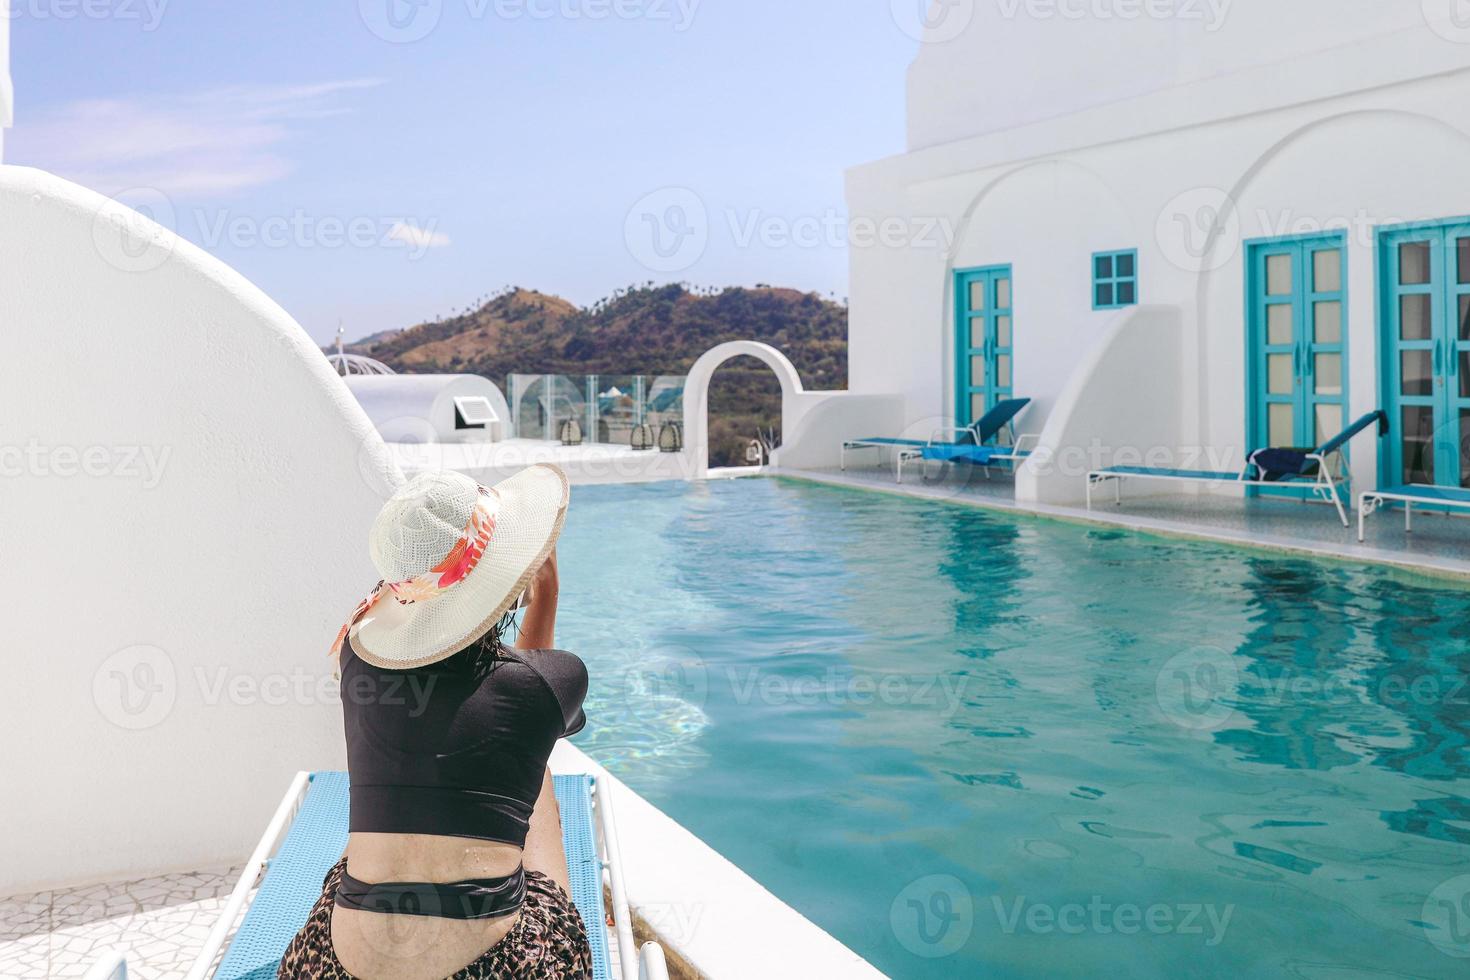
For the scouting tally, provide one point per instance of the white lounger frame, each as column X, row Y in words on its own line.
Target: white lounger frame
column 634, row 964
column 1370, row 501
column 1324, row 486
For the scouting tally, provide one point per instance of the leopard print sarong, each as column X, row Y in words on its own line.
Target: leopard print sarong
column 549, row 941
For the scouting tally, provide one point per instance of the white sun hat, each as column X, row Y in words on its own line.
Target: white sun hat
column 454, row 557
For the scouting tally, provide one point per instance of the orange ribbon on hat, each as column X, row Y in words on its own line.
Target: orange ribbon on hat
column 455, row 567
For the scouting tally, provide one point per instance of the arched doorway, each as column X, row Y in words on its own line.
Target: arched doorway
column 696, row 393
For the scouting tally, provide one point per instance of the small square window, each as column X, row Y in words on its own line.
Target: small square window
column 473, row 412
column 1114, row 279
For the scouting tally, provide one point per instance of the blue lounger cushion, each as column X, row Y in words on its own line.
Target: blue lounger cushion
column 316, row 840
column 977, row 455
column 293, row 881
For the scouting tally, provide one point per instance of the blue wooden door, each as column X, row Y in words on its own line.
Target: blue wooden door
column 1296, row 374
column 984, row 343
column 1425, row 348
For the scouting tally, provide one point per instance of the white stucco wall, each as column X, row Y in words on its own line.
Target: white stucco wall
column 991, row 67
column 1043, row 197
column 186, row 486
column 419, row 408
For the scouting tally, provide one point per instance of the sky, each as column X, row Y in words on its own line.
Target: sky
column 379, row 163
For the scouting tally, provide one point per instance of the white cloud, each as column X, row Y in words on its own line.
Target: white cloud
column 417, row 238
column 197, row 145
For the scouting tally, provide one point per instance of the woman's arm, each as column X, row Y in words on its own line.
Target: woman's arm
column 538, row 629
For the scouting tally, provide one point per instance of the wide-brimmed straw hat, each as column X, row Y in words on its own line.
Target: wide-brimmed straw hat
column 454, row 557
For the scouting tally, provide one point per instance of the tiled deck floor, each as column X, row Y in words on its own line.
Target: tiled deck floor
column 1438, row 544
column 160, row 923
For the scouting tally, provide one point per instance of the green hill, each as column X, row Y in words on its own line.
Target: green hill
column 643, row 330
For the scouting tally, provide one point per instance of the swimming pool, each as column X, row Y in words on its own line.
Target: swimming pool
column 968, row 743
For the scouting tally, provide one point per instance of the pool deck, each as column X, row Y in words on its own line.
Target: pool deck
column 1439, row 544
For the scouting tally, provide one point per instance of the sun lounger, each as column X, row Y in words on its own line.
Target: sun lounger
column 1311, row 472
column 1414, row 493
column 308, row 834
column 979, row 433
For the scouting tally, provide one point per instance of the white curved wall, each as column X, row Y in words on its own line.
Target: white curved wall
column 419, row 408
column 1122, row 406
column 186, row 487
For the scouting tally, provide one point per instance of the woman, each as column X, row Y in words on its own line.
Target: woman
column 454, row 864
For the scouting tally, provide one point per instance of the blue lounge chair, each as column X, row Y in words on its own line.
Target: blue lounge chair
column 979, row 433
column 308, row 834
column 1276, row 468
column 1448, row 498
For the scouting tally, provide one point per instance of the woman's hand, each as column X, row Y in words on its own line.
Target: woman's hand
column 538, row 631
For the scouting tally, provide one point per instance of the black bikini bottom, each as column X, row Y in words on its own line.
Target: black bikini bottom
column 482, row 898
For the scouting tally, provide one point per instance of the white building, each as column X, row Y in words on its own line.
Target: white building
column 1178, row 228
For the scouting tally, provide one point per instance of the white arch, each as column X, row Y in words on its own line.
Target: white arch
column 696, row 394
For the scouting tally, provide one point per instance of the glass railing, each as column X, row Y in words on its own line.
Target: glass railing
column 607, row 408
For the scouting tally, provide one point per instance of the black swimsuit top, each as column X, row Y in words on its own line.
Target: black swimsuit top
column 454, row 751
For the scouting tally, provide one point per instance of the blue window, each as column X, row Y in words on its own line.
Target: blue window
column 1114, row 279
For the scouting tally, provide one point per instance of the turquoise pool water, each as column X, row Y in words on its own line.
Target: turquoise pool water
column 969, row 744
